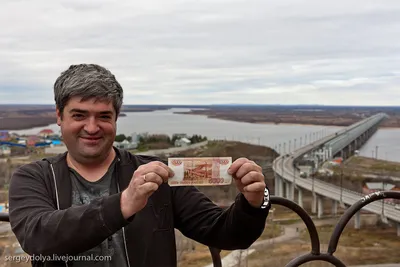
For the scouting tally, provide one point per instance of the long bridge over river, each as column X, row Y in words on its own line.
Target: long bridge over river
column 291, row 171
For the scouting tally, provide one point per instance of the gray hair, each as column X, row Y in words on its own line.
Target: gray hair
column 87, row 81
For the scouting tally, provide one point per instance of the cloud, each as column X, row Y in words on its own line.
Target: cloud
column 206, row 52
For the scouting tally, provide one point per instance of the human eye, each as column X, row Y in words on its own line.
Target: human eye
column 78, row 116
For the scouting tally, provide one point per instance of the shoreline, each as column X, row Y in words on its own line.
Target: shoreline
column 260, row 123
column 305, row 123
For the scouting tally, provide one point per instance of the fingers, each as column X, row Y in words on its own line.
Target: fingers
column 255, row 187
column 236, row 165
column 243, row 166
column 252, row 177
column 170, row 172
column 147, row 189
column 153, row 169
column 152, row 177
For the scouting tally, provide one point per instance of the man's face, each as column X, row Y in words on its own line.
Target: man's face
column 88, row 128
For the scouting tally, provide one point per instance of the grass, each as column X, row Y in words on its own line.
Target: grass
column 366, row 237
column 282, row 254
column 373, row 165
column 200, row 255
column 370, row 244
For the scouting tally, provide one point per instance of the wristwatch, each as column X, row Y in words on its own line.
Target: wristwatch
column 266, row 202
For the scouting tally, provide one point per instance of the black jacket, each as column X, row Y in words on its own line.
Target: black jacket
column 45, row 224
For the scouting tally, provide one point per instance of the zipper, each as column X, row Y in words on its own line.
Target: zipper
column 123, row 228
column 57, row 199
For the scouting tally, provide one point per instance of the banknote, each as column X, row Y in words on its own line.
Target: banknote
column 200, row 171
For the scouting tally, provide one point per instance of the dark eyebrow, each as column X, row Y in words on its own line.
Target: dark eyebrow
column 78, row 110
column 106, row 112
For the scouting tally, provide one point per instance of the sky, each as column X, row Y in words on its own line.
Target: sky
column 342, row 52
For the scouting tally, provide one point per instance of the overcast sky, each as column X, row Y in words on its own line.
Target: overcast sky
column 342, row 52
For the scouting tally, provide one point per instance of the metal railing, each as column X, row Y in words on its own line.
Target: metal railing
column 315, row 254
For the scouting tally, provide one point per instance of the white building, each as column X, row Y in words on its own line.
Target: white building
column 5, row 150
column 182, row 142
column 125, row 144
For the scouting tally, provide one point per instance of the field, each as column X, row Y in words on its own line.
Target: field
column 369, row 245
column 363, row 169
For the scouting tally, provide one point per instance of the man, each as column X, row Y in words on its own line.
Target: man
column 97, row 201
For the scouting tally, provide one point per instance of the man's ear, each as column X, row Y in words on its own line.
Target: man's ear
column 59, row 117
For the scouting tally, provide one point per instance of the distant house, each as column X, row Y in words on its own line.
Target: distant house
column 182, row 142
column 5, row 150
column 32, row 140
column 46, row 132
column 125, row 144
column 5, row 136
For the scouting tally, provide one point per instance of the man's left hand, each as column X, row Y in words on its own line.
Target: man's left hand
column 249, row 180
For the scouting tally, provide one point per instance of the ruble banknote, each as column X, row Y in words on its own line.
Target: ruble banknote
column 200, row 171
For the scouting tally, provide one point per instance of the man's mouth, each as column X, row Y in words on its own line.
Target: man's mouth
column 90, row 138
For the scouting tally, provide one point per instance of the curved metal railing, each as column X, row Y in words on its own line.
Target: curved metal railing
column 315, row 253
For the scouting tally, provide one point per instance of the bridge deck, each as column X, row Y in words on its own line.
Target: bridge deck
column 353, row 132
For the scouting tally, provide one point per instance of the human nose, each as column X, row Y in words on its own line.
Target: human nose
column 91, row 126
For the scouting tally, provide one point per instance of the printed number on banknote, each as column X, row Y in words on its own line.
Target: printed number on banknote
column 200, row 171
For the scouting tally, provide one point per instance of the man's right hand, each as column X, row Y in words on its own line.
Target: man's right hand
column 145, row 181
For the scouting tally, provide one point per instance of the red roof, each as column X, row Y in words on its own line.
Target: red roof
column 46, row 131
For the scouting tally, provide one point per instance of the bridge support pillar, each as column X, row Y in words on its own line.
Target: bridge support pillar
column 287, row 188
column 357, row 220
column 320, row 206
column 334, row 207
column 276, row 185
column 300, row 196
column 314, row 204
column 398, row 229
column 282, row 187
column 292, row 188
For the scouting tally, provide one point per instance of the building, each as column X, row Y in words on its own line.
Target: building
column 5, row 150
column 46, row 133
column 32, row 140
column 125, row 145
column 5, row 136
column 182, row 142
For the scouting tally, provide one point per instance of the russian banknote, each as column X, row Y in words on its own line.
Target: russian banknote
column 200, row 171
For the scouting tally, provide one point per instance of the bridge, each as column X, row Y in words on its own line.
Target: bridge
column 295, row 171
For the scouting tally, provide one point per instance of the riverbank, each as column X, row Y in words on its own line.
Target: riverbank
column 27, row 117
column 22, row 117
column 339, row 117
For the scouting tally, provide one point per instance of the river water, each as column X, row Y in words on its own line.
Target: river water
column 272, row 135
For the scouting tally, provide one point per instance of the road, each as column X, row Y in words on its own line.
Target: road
column 284, row 167
column 332, row 191
column 172, row 149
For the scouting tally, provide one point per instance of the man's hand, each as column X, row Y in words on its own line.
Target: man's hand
column 145, row 181
column 249, row 180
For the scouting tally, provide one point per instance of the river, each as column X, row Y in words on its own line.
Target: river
column 166, row 122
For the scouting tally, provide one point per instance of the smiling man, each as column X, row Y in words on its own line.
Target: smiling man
column 101, row 205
